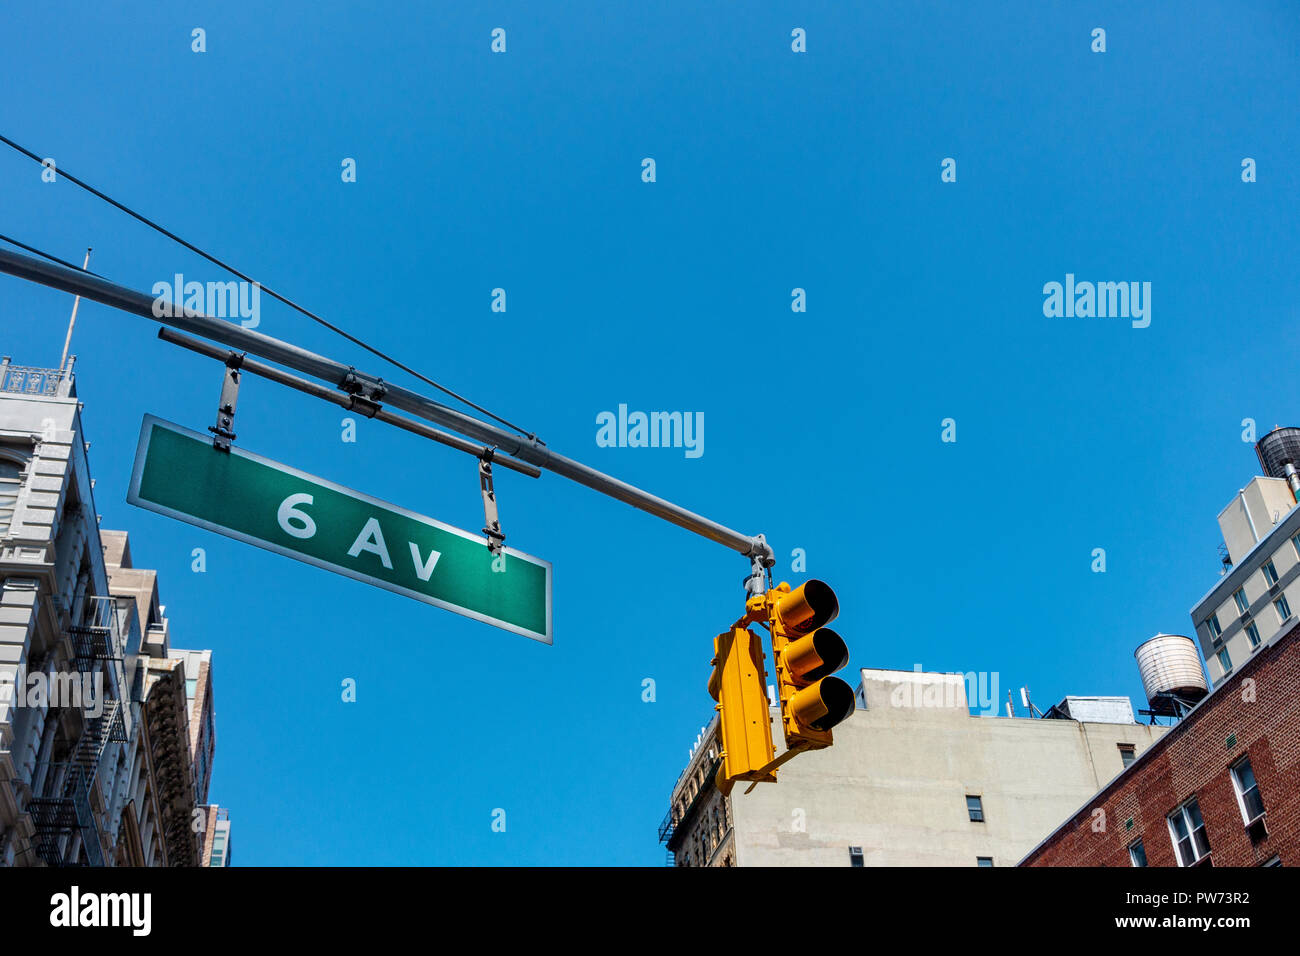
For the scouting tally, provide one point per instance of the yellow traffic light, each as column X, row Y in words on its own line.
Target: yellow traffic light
column 739, row 685
column 807, row 653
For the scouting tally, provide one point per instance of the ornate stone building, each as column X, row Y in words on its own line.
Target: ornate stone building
column 99, row 763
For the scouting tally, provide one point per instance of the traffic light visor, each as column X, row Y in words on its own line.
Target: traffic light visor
column 816, row 655
column 808, row 607
column 824, row 704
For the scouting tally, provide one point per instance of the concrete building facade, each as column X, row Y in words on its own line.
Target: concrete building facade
column 914, row 779
column 216, row 837
column 1219, row 789
column 1258, row 596
column 107, row 776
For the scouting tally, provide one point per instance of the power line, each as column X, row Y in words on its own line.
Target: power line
column 271, row 292
column 46, row 255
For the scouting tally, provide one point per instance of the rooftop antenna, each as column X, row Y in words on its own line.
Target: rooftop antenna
column 1029, row 704
column 63, row 360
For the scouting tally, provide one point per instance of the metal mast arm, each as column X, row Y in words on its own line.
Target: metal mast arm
column 336, row 373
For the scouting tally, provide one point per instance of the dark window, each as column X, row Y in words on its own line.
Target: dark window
column 1137, row 854
column 11, row 481
column 1243, row 779
column 1127, row 754
column 1187, row 830
column 1283, row 608
column 855, row 856
column 1270, row 573
column 983, row 861
column 975, row 807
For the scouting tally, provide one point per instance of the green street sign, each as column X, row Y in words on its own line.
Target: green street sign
column 262, row 502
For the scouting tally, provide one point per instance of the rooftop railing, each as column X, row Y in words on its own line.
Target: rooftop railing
column 30, row 380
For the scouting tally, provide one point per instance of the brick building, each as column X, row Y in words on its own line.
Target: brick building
column 1222, row 788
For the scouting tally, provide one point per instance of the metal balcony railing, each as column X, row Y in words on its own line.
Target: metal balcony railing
column 97, row 637
column 29, row 380
column 60, row 816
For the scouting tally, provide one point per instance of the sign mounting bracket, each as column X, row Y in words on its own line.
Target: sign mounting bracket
column 222, row 436
column 492, row 526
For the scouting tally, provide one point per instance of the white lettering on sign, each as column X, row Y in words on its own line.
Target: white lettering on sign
column 298, row 523
column 424, row 568
column 371, row 539
column 290, row 512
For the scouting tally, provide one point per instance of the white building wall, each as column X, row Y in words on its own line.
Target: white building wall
column 1278, row 545
column 896, row 780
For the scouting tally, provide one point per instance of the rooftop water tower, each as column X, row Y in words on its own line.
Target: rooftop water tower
column 1279, row 449
column 1172, row 677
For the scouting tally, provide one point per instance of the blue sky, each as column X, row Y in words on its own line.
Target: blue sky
column 775, row 170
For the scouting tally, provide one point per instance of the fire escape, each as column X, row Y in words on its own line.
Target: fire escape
column 675, row 825
column 66, row 809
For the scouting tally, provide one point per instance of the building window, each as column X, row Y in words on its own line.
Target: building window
column 1252, row 634
column 1239, row 595
column 1225, row 661
column 1272, row 861
column 11, row 480
column 1283, row 608
column 1248, row 798
column 1270, row 573
column 1187, row 830
column 1295, row 543
column 1127, row 754
column 1212, row 623
column 1137, row 854
column 855, row 856
column 975, row 807
column 983, row 861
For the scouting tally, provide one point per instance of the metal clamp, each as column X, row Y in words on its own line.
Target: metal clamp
column 760, row 559
column 364, row 395
column 222, row 435
column 492, row 527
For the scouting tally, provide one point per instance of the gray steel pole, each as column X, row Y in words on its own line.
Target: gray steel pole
column 235, row 336
column 345, row 401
